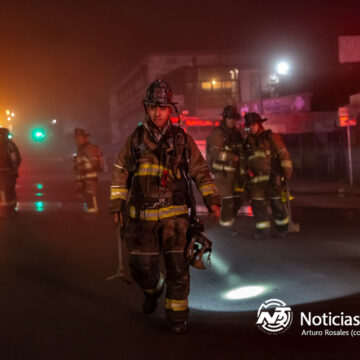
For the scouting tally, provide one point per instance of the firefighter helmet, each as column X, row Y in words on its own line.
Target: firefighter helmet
column 159, row 93
column 253, row 117
column 80, row 132
column 199, row 246
column 231, row 112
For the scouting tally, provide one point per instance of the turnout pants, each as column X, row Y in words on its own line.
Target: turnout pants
column 7, row 192
column 230, row 198
column 87, row 190
column 146, row 241
column 261, row 193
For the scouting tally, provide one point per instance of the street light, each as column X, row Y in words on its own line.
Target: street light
column 283, row 68
column 9, row 115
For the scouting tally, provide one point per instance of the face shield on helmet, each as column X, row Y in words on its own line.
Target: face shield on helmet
column 199, row 246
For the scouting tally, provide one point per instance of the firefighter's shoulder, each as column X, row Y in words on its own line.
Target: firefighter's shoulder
column 217, row 132
column 134, row 138
column 276, row 138
column 91, row 146
column 268, row 133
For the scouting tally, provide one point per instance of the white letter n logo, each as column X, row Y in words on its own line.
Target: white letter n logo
column 280, row 314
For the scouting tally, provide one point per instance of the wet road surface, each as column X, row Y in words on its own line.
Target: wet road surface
column 55, row 302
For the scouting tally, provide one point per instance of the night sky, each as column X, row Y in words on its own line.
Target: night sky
column 61, row 58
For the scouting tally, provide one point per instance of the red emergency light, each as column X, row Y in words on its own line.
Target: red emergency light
column 199, row 123
column 174, row 120
column 195, row 121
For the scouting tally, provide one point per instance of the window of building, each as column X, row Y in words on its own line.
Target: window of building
column 206, row 85
column 217, row 85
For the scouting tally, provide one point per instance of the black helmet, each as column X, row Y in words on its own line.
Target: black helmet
column 231, row 112
column 4, row 133
column 253, row 117
column 159, row 93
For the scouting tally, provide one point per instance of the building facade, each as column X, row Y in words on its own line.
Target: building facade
column 203, row 83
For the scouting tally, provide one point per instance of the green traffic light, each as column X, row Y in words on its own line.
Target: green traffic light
column 38, row 135
column 39, row 206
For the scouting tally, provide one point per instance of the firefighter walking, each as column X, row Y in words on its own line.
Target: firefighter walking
column 153, row 167
column 269, row 165
column 10, row 160
column 88, row 162
column 227, row 162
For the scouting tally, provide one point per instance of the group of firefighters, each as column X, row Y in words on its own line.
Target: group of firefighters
column 151, row 191
column 259, row 163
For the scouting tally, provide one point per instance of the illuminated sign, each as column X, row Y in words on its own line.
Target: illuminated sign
column 349, row 49
column 194, row 121
column 345, row 117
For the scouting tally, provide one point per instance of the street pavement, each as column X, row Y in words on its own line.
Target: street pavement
column 56, row 304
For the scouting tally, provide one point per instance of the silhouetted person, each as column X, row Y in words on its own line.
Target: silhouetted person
column 88, row 163
column 9, row 164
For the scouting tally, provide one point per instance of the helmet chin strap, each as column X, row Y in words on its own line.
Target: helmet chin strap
column 177, row 114
column 152, row 125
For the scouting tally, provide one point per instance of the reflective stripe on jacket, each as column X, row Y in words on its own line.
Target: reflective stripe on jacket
column 138, row 168
column 266, row 154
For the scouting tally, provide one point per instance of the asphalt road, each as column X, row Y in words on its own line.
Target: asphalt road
column 56, row 304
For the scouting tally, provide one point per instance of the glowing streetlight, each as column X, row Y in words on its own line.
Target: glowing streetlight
column 7, row 112
column 283, row 68
column 9, row 118
column 53, row 121
column 12, row 114
column 214, row 82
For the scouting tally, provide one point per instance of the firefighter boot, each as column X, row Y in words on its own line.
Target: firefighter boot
column 177, row 291
column 227, row 217
column 151, row 298
column 281, row 218
column 91, row 204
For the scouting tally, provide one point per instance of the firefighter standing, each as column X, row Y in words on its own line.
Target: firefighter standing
column 88, row 162
column 227, row 162
column 9, row 164
column 154, row 164
column 269, row 165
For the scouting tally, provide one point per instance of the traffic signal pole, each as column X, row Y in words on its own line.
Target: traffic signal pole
column 349, row 155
